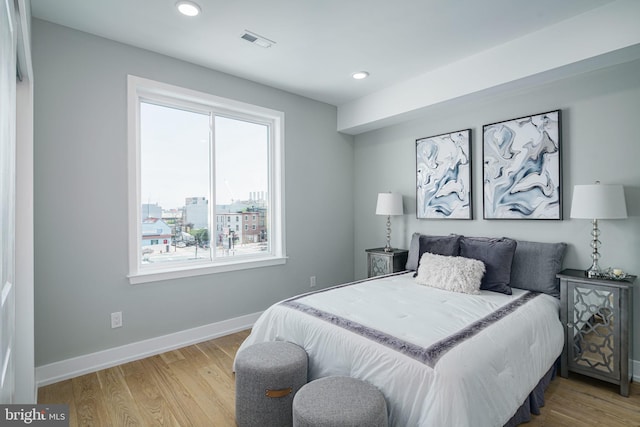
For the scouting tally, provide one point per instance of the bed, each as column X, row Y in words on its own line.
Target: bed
column 441, row 358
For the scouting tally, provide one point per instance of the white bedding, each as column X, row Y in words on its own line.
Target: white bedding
column 481, row 381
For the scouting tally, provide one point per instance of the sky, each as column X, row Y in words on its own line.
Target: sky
column 175, row 156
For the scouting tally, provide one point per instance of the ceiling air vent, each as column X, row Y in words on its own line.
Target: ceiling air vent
column 257, row 39
column 248, row 37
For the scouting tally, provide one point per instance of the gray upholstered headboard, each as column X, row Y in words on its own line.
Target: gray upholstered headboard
column 534, row 266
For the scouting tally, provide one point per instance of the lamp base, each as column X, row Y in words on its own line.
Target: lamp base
column 594, row 271
column 388, row 247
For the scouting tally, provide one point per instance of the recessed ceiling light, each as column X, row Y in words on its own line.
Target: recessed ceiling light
column 360, row 75
column 188, row 8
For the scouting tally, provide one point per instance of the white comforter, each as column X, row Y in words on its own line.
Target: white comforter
column 479, row 382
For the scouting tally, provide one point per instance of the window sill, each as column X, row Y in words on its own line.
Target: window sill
column 192, row 271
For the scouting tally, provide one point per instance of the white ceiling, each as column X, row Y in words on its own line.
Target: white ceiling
column 319, row 43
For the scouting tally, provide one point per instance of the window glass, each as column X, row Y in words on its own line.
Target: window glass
column 196, row 161
column 174, row 178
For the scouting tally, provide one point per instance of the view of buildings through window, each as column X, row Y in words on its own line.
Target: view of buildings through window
column 189, row 158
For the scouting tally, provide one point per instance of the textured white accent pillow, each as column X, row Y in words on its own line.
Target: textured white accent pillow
column 451, row 273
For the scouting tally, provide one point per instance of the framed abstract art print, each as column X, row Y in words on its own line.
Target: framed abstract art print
column 443, row 176
column 522, row 168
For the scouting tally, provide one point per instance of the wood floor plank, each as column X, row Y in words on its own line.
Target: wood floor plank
column 195, row 357
column 586, row 407
column 172, row 356
column 230, row 343
column 582, row 401
column 222, row 384
column 218, row 352
column 185, row 409
column 90, row 401
column 195, row 386
column 59, row 393
column 606, row 392
column 552, row 418
column 153, row 407
column 122, row 407
column 218, row 372
column 206, row 393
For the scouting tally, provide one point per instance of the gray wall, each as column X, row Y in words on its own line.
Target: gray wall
column 331, row 187
column 81, row 200
column 600, row 115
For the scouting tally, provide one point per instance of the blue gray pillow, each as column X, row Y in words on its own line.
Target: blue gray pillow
column 497, row 255
column 439, row 245
column 535, row 266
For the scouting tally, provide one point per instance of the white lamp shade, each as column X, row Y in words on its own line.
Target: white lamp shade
column 598, row 201
column 389, row 204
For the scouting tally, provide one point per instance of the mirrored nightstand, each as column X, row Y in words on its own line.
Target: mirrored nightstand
column 380, row 262
column 596, row 314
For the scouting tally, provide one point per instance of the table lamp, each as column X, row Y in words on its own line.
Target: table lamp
column 389, row 204
column 598, row 201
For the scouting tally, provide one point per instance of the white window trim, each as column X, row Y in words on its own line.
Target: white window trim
column 138, row 88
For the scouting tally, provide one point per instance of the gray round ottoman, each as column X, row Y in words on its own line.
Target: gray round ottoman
column 339, row 402
column 268, row 375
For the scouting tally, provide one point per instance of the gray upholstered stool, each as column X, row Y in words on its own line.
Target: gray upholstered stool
column 338, row 402
column 268, row 375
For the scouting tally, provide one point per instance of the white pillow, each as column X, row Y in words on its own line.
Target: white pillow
column 451, row 273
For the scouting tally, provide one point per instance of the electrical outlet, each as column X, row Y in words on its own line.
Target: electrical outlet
column 312, row 281
column 116, row 320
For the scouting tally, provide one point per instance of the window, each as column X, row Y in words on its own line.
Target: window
column 188, row 148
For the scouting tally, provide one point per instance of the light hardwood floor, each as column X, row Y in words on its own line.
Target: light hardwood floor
column 194, row 386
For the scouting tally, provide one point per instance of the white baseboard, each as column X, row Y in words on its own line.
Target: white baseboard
column 70, row 368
